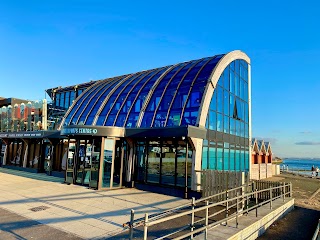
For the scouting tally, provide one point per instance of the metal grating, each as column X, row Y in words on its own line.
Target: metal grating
column 40, row 208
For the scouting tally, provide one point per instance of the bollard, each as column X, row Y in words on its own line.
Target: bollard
column 145, row 228
column 131, row 224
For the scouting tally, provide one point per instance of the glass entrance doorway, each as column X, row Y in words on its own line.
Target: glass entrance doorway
column 112, row 168
column 83, row 162
column 95, row 162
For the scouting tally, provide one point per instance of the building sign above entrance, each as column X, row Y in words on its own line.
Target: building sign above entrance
column 92, row 131
column 79, row 130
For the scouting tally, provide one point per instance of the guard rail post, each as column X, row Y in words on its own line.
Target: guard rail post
column 256, row 196
column 131, row 224
column 192, row 215
column 270, row 198
column 237, row 203
column 207, row 220
column 227, row 206
column 145, row 228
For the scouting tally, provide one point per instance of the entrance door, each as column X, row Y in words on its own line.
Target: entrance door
column 118, row 165
column 71, row 159
column 95, row 162
column 83, row 162
column 112, row 167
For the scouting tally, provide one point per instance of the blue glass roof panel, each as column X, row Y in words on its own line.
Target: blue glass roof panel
column 168, row 96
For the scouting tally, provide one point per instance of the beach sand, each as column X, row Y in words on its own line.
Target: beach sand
column 301, row 222
column 306, row 190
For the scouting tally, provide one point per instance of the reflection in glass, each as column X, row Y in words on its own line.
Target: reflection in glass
column 141, row 162
column 181, row 166
column 153, row 167
column 95, row 162
column 107, row 162
column 168, row 165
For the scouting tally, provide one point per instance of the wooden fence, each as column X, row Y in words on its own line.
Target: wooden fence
column 262, row 184
column 214, row 182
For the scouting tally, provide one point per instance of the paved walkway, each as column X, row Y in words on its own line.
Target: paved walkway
column 78, row 210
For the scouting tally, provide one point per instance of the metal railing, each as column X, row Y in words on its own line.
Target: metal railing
column 316, row 234
column 243, row 200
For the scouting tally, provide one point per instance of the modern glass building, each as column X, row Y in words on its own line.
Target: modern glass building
column 161, row 126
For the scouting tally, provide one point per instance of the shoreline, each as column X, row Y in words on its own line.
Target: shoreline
column 301, row 173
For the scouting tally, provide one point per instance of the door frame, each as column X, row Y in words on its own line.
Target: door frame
column 112, row 165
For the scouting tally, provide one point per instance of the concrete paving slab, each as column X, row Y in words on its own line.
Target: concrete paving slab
column 76, row 209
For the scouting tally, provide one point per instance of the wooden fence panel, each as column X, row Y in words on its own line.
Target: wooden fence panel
column 214, row 182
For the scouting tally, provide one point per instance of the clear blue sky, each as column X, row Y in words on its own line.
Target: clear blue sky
column 44, row 44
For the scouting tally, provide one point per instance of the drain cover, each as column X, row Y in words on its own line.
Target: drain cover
column 40, row 208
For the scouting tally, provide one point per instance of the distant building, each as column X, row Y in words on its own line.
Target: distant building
column 261, row 159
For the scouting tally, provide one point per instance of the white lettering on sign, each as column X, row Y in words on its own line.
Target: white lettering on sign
column 79, row 131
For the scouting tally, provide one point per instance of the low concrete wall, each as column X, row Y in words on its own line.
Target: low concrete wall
column 257, row 228
column 250, row 226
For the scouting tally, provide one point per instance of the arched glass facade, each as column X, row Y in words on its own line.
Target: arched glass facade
column 160, row 126
column 228, row 115
column 168, row 96
column 169, row 123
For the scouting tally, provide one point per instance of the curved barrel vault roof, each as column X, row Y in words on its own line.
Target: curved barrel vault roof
column 158, row 97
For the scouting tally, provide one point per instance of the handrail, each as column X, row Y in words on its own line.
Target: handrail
column 154, row 222
column 317, row 232
column 139, row 222
column 239, row 199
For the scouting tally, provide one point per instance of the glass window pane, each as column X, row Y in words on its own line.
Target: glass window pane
column 226, row 81
column 219, row 122
column 220, row 97
column 219, row 158
column 153, row 165
column 107, row 162
column 212, row 120
column 226, row 102
column 205, row 158
column 227, row 165
column 226, row 124
column 168, row 169
column 232, row 82
column 212, row 158
column 213, row 103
